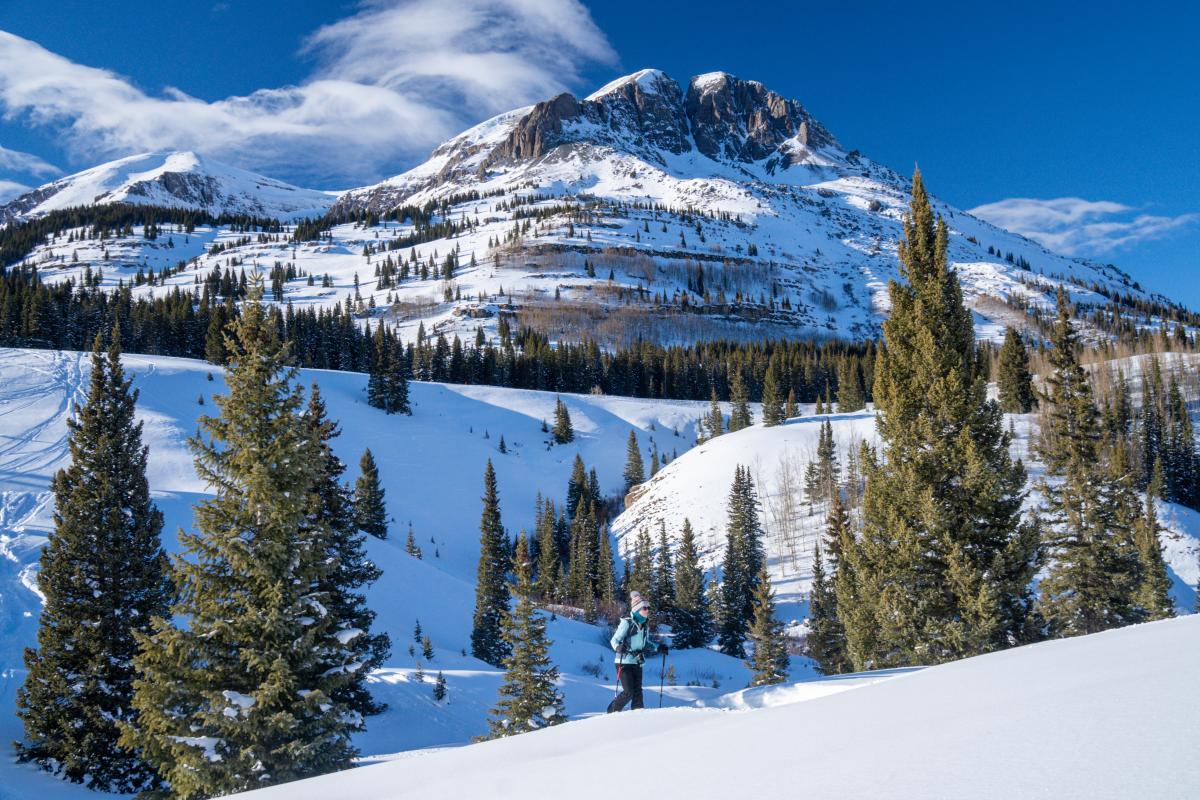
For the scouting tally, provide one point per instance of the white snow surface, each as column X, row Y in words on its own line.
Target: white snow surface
column 175, row 178
column 1108, row 716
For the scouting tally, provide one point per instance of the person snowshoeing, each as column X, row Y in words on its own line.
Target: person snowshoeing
column 632, row 643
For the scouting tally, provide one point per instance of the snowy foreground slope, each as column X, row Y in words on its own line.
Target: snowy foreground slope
column 1114, row 715
column 431, row 466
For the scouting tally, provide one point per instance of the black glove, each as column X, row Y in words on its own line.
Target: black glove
column 662, row 649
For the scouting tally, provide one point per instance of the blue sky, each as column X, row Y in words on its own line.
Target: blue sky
column 1074, row 122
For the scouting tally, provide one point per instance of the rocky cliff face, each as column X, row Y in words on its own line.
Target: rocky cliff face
column 724, row 118
column 742, row 121
column 646, row 114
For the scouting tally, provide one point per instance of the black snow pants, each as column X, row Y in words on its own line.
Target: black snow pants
column 631, row 687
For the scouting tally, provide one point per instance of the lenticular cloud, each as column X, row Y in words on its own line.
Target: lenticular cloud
column 394, row 80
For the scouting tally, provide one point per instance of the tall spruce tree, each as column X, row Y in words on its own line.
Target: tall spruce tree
column 744, row 558
column 692, row 623
column 491, row 586
column 563, row 430
column 769, row 662
column 662, row 588
column 1015, row 383
column 529, row 696
column 790, row 409
column 331, row 503
column 739, row 397
column 1094, row 571
column 1153, row 593
column 851, row 392
column 246, row 693
column 641, row 572
column 826, row 640
column 104, row 579
column 635, row 470
column 387, row 381
column 712, row 424
column 772, row 398
column 370, row 512
column 943, row 562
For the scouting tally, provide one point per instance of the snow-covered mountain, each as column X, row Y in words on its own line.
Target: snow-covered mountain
column 648, row 209
column 175, row 179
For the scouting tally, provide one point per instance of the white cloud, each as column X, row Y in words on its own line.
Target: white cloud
column 11, row 189
column 393, row 80
column 1077, row 227
column 26, row 163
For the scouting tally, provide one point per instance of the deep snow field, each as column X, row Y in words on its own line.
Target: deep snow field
column 431, row 465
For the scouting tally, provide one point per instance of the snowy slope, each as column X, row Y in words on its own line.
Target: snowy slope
column 718, row 191
column 1112, row 715
column 431, row 467
column 176, row 179
column 696, row 487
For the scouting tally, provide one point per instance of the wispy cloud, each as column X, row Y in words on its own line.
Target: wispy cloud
column 26, row 163
column 392, row 81
column 11, row 189
column 1077, row 227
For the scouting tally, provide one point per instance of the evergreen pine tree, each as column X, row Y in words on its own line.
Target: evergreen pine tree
column 740, row 416
column 563, row 432
column 1153, row 593
column 387, row 382
column 641, row 572
column 370, row 513
column 744, row 558
column 769, row 661
column 662, row 587
column 410, row 545
column 826, row 640
column 851, row 392
column 246, row 694
column 790, row 409
column 351, row 570
column 491, row 587
column 549, row 568
column 692, row 622
column 943, row 563
column 439, row 687
column 772, row 400
column 635, row 471
column 529, row 696
column 606, row 573
column 104, row 579
column 1014, row 381
column 1094, row 570
column 712, row 424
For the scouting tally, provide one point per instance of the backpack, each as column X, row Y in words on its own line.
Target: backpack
column 625, row 639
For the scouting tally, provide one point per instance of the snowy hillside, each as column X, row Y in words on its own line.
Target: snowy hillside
column 646, row 210
column 174, row 179
column 431, row 466
column 1111, row 715
column 696, row 487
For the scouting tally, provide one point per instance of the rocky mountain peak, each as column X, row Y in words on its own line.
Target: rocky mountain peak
column 739, row 120
column 647, row 113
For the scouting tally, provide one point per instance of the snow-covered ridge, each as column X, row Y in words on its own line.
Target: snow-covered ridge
column 181, row 179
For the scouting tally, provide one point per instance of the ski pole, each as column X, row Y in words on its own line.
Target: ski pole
column 662, row 676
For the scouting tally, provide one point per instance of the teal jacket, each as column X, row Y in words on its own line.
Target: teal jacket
column 639, row 645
